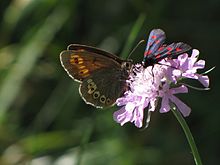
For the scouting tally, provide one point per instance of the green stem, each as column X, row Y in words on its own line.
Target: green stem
column 188, row 134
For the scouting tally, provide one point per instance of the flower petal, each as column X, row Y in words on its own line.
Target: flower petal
column 182, row 107
column 165, row 107
column 138, row 116
column 122, row 116
column 183, row 60
column 200, row 64
column 181, row 89
column 177, row 72
column 204, row 80
column 190, row 75
column 195, row 53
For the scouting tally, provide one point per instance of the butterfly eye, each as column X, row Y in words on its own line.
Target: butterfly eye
column 126, row 65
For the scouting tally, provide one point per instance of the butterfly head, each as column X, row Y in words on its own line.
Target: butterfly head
column 127, row 65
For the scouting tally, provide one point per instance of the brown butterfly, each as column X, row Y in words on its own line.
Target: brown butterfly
column 102, row 75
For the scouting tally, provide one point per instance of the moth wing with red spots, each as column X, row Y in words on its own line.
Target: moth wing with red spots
column 156, row 50
column 171, row 51
column 155, row 41
column 102, row 75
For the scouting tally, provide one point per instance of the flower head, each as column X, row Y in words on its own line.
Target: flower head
column 149, row 84
column 143, row 92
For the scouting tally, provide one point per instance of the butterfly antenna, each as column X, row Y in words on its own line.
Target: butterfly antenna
column 140, row 42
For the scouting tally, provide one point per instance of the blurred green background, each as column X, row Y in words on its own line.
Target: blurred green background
column 44, row 121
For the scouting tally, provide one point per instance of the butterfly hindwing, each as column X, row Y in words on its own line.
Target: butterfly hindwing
column 104, row 86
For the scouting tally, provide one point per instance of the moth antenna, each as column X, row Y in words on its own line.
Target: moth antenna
column 140, row 42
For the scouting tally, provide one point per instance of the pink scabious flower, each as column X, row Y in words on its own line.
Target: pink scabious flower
column 160, row 81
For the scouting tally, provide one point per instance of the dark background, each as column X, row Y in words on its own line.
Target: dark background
column 44, row 120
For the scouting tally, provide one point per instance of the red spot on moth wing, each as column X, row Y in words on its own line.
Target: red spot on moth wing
column 169, row 48
column 157, row 41
column 153, row 37
column 158, row 56
column 160, row 48
column 178, row 49
column 147, row 52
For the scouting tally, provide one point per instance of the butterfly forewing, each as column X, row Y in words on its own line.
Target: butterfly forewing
column 90, row 49
column 81, row 63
